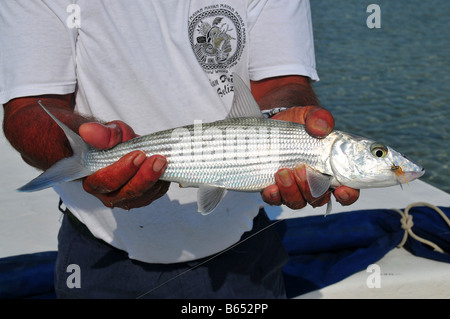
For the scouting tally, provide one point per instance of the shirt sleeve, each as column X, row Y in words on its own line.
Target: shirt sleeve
column 36, row 55
column 281, row 40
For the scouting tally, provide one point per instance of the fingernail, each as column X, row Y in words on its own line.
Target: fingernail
column 322, row 126
column 139, row 159
column 159, row 164
column 285, row 177
column 274, row 195
column 344, row 196
column 111, row 125
column 115, row 134
column 300, row 171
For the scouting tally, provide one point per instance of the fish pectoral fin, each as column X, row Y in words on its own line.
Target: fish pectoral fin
column 208, row 197
column 318, row 183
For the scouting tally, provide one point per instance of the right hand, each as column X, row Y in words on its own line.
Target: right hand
column 131, row 182
column 291, row 186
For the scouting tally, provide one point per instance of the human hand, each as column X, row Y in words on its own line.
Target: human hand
column 131, row 182
column 291, row 186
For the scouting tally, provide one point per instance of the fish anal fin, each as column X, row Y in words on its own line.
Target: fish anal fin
column 208, row 197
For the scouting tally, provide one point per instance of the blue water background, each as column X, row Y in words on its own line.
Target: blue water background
column 389, row 84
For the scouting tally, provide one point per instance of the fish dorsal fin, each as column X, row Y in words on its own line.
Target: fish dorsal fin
column 208, row 197
column 244, row 104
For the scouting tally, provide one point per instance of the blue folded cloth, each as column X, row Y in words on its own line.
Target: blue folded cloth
column 324, row 250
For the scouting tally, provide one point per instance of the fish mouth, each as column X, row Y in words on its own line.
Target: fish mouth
column 412, row 175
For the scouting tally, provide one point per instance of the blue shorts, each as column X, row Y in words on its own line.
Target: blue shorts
column 252, row 269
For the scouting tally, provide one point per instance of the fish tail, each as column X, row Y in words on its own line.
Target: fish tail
column 67, row 169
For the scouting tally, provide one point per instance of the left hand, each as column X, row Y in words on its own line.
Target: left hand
column 291, row 186
column 131, row 182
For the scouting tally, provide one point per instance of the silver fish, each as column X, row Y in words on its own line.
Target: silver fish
column 242, row 153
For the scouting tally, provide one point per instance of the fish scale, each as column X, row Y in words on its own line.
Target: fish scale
column 240, row 154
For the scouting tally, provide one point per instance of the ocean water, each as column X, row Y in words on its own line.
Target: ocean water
column 390, row 84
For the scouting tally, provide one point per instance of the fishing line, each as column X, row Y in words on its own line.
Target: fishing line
column 216, row 255
column 209, row 259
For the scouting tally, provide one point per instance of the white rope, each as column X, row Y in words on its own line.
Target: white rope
column 407, row 224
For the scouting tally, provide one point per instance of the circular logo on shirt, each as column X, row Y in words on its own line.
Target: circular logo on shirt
column 217, row 36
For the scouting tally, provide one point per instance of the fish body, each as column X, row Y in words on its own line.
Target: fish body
column 242, row 153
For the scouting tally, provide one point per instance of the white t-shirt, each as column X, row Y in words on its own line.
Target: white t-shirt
column 154, row 65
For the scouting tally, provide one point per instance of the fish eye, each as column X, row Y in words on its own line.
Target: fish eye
column 378, row 150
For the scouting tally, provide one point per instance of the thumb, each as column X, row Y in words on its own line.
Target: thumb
column 319, row 122
column 101, row 136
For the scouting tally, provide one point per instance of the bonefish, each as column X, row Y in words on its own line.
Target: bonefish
column 242, row 153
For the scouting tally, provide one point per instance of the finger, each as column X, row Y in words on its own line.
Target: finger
column 271, row 195
column 116, row 200
column 289, row 191
column 161, row 187
column 126, row 130
column 318, row 122
column 113, row 177
column 346, row 195
column 302, row 182
column 101, row 136
column 145, row 178
column 293, row 114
